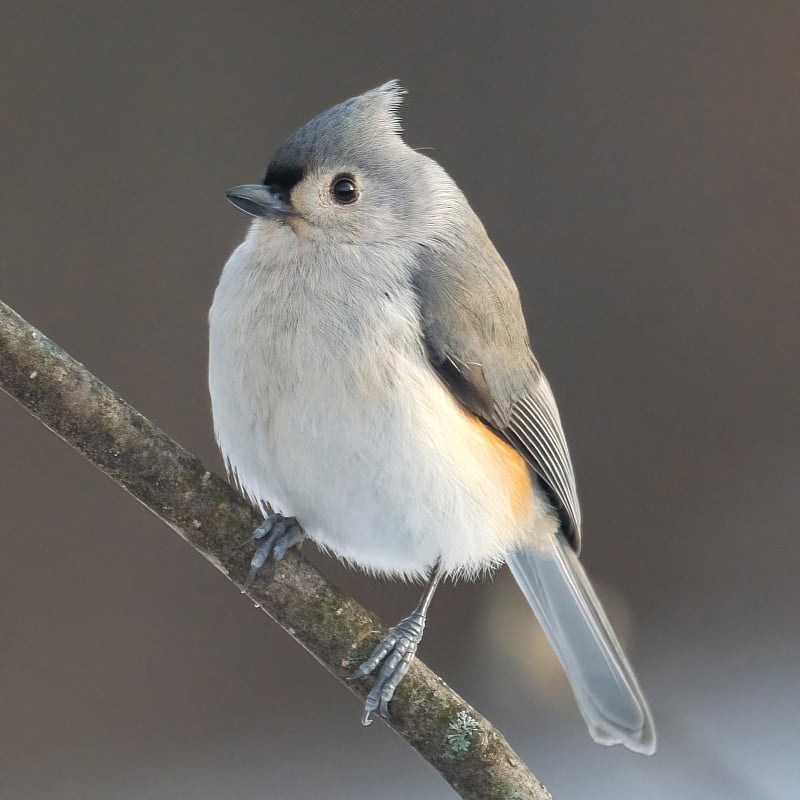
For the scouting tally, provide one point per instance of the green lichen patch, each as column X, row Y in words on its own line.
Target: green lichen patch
column 461, row 731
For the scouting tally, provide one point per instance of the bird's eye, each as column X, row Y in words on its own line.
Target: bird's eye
column 344, row 189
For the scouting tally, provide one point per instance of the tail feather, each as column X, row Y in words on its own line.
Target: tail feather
column 608, row 696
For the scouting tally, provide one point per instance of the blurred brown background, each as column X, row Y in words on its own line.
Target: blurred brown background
column 637, row 165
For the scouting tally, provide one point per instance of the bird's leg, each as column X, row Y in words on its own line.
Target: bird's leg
column 396, row 652
column 279, row 534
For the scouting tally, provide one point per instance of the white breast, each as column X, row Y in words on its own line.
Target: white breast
column 326, row 407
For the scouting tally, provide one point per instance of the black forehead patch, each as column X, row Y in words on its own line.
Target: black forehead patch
column 284, row 177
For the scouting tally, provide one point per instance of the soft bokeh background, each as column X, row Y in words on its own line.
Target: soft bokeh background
column 637, row 165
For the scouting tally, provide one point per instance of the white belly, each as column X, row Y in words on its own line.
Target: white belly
column 326, row 407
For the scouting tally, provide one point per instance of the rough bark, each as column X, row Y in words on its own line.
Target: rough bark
column 206, row 512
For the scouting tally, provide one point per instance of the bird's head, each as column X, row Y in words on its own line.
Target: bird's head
column 347, row 175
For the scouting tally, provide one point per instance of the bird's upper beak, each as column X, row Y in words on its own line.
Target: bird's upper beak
column 260, row 201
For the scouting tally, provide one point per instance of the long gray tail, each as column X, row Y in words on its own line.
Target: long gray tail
column 609, row 698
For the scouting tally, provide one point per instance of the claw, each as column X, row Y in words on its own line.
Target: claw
column 358, row 674
column 366, row 717
column 251, row 576
column 278, row 534
column 395, row 654
column 384, row 707
column 259, row 559
column 378, row 654
column 394, row 681
column 264, row 528
column 292, row 535
column 396, row 651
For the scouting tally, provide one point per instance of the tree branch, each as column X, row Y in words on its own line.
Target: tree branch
column 205, row 511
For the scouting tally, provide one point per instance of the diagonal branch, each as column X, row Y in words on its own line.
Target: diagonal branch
column 206, row 512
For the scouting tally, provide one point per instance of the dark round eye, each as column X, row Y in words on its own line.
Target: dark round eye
column 344, row 189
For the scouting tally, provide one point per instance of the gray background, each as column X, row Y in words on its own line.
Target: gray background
column 637, row 165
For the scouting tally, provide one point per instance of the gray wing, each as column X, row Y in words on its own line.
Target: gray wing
column 477, row 341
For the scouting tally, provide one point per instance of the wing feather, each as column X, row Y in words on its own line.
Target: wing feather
column 476, row 339
column 535, row 428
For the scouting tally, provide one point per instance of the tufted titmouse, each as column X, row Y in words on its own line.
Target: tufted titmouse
column 371, row 379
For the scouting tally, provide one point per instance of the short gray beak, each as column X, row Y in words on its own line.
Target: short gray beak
column 259, row 201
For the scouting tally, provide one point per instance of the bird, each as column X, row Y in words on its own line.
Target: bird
column 374, row 390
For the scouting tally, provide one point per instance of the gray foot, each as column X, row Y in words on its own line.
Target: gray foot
column 279, row 534
column 396, row 651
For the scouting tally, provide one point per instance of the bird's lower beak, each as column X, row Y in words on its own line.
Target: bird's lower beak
column 259, row 201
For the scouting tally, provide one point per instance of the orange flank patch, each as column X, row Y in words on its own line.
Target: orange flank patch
column 512, row 470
